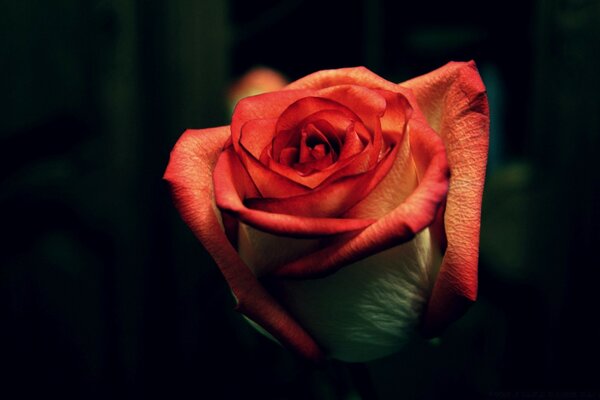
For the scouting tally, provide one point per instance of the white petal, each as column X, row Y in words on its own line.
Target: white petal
column 364, row 311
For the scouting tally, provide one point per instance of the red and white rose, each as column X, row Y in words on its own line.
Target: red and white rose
column 344, row 210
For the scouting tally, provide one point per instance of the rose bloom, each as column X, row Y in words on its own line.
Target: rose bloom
column 343, row 210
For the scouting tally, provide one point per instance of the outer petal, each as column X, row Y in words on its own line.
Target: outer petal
column 364, row 311
column 190, row 175
column 344, row 76
column 453, row 99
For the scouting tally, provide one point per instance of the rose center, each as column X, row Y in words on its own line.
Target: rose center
column 317, row 136
column 314, row 147
column 314, row 144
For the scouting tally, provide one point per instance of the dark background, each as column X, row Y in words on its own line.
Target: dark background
column 104, row 292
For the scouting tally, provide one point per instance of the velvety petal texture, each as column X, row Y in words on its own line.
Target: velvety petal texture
column 455, row 104
column 190, row 174
column 366, row 310
column 344, row 209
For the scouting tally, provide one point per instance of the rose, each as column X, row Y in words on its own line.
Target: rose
column 344, row 210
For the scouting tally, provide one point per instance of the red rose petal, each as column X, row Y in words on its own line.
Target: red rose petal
column 233, row 186
column 189, row 174
column 269, row 182
column 253, row 110
column 343, row 76
column 314, row 157
column 330, row 123
column 256, row 135
column 277, row 179
column 352, row 141
column 295, row 115
column 349, row 165
column 394, row 188
column 329, row 200
column 263, row 106
column 368, row 104
column 454, row 102
column 353, row 165
column 289, row 156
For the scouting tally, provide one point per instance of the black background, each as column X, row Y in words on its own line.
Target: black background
column 104, row 292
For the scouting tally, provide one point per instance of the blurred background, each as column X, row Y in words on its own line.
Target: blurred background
column 105, row 293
